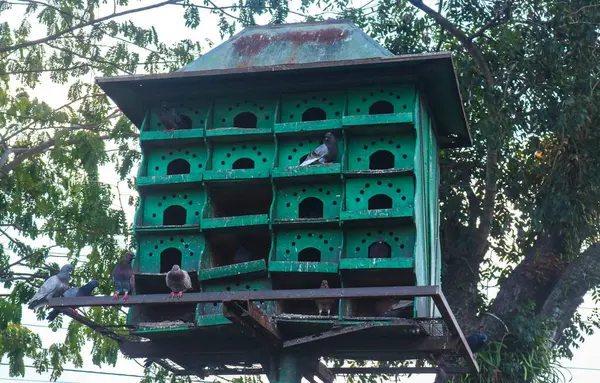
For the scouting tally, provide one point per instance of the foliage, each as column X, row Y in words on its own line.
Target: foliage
column 526, row 192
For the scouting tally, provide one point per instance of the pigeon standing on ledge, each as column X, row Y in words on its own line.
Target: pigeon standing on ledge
column 178, row 281
column 83, row 291
column 123, row 276
column 325, row 304
column 325, row 153
column 172, row 120
column 53, row 287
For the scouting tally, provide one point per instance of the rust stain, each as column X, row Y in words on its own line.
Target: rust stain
column 252, row 44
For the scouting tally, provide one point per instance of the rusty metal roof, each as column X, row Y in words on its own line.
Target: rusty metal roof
column 301, row 43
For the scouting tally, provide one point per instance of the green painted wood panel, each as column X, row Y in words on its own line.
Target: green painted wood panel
column 198, row 111
column 320, row 245
column 161, row 208
column 381, row 100
column 184, row 249
column 312, row 106
column 173, row 160
column 245, row 112
column 380, row 193
column 401, row 240
column 243, row 155
column 308, row 201
column 380, row 151
column 216, row 309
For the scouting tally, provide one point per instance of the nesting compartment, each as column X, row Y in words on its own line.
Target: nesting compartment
column 173, row 164
column 158, row 253
column 243, row 159
column 243, row 116
column 170, row 208
column 384, row 152
column 307, row 202
column 235, row 254
column 386, row 196
column 195, row 114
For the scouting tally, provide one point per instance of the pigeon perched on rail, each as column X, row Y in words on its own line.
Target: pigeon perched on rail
column 325, row 304
column 123, row 276
column 380, row 249
column 171, row 119
column 53, row 287
column 178, row 281
column 392, row 307
column 83, row 291
column 476, row 343
column 325, row 153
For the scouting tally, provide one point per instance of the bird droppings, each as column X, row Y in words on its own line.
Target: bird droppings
column 164, row 324
column 252, row 44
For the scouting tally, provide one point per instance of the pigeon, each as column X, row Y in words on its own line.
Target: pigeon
column 390, row 307
column 380, row 249
column 325, row 304
column 325, row 153
column 123, row 276
column 178, row 281
column 172, row 120
column 83, row 291
column 242, row 255
column 53, row 287
column 476, row 343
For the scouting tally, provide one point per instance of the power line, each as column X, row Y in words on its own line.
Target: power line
column 85, row 371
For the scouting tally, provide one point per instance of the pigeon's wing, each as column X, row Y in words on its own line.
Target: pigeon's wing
column 187, row 281
column 315, row 155
column 72, row 292
column 47, row 289
column 402, row 304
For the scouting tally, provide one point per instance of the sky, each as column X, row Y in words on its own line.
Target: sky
column 168, row 21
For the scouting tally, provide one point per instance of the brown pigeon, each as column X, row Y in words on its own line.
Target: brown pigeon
column 178, row 281
column 123, row 276
column 325, row 304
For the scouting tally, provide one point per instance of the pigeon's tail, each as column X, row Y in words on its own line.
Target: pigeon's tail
column 309, row 161
column 34, row 304
column 52, row 315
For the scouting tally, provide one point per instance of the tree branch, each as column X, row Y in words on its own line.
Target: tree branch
column 85, row 24
column 580, row 276
column 489, row 199
column 469, row 46
column 501, row 18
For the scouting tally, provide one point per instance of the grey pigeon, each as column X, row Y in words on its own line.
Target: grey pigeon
column 178, row 281
column 53, row 287
column 83, row 291
column 172, row 120
column 325, row 304
column 123, row 276
column 390, row 307
column 242, row 255
column 324, row 153
column 380, row 249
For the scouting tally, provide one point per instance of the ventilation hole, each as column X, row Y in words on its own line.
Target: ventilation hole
column 310, row 207
column 380, row 250
column 288, row 204
column 380, row 201
column 163, row 157
column 174, row 215
column 243, row 163
column 314, row 114
column 381, row 107
column 309, row 254
column 245, row 120
column 153, row 215
column 168, row 258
